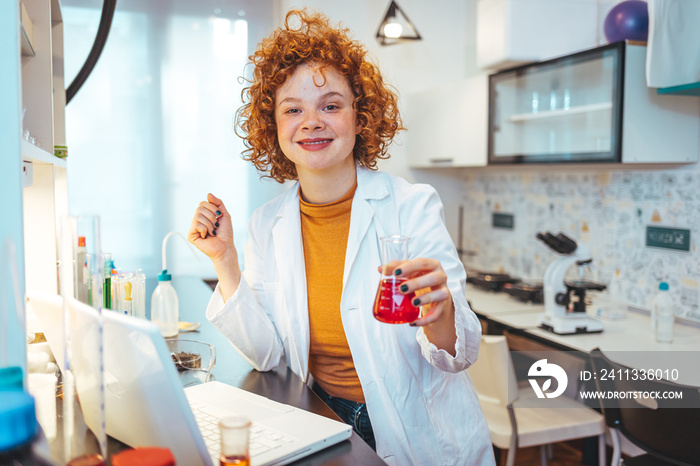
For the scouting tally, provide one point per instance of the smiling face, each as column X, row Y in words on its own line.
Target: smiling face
column 316, row 122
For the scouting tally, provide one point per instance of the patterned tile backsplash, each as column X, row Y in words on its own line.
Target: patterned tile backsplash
column 609, row 211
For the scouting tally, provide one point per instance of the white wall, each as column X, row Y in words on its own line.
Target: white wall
column 446, row 53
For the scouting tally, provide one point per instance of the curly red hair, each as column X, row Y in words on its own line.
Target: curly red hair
column 278, row 56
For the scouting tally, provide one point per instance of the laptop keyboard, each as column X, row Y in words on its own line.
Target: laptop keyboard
column 262, row 439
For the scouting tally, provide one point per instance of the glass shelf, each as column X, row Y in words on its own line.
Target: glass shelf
column 525, row 117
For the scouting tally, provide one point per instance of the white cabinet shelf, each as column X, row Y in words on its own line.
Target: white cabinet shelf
column 562, row 113
column 38, row 155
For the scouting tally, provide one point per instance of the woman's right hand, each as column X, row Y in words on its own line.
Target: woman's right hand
column 211, row 230
column 212, row 233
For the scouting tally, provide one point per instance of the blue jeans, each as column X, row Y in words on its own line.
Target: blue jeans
column 351, row 412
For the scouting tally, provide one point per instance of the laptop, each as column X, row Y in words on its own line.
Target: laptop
column 146, row 405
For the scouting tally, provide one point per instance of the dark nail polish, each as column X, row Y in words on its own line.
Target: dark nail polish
column 213, row 232
column 397, row 272
column 404, row 288
column 218, row 212
column 416, row 302
column 412, row 324
column 216, row 224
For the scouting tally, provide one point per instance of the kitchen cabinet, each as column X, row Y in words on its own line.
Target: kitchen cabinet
column 32, row 121
column 592, row 106
column 447, row 125
column 512, row 32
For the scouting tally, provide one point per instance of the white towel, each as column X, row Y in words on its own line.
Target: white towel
column 673, row 49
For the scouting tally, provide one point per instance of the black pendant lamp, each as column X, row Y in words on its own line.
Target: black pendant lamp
column 396, row 27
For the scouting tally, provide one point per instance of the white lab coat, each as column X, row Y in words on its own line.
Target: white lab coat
column 422, row 405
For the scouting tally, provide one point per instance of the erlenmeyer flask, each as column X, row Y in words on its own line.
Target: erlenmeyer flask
column 390, row 305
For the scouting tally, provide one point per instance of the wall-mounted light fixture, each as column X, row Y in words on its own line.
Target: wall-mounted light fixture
column 396, row 27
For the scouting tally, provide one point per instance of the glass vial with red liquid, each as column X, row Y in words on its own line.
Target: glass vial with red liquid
column 235, row 438
column 390, row 305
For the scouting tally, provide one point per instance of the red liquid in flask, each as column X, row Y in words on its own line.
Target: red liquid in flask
column 235, row 460
column 393, row 307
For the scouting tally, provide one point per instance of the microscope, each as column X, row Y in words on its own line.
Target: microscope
column 565, row 301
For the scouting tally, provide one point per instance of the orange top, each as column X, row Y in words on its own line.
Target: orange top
column 324, row 229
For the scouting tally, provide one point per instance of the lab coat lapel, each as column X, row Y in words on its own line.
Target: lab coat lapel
column 289, row 255
column 370, row 185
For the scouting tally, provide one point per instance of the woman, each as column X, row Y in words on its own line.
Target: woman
column 318, row 112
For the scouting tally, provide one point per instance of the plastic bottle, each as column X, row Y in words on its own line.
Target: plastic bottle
column 618, row 300
column 652, row 314
column 164, row 306
column 663, row 315
column 20, row 434
column 612, row 305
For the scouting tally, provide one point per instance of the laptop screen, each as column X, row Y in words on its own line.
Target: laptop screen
column 145, row 404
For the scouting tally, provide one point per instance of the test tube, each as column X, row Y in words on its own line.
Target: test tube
column 107, row 292
column 138, row 293
column 118, row 292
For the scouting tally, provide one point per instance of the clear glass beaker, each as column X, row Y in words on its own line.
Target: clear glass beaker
column 390, row 305
column 194, row 360
column 234, row 434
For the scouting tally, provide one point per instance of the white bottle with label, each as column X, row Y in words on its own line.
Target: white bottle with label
column 662, row 315
column 164, row 306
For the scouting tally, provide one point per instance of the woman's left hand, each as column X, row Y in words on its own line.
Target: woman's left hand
column 427, row 279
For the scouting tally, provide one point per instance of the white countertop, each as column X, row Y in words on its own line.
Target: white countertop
column 490, row 303
column 620, row 339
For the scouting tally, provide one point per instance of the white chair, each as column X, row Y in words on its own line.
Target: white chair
column 511, row 422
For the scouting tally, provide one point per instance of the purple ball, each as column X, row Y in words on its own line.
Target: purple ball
column 628, row 20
